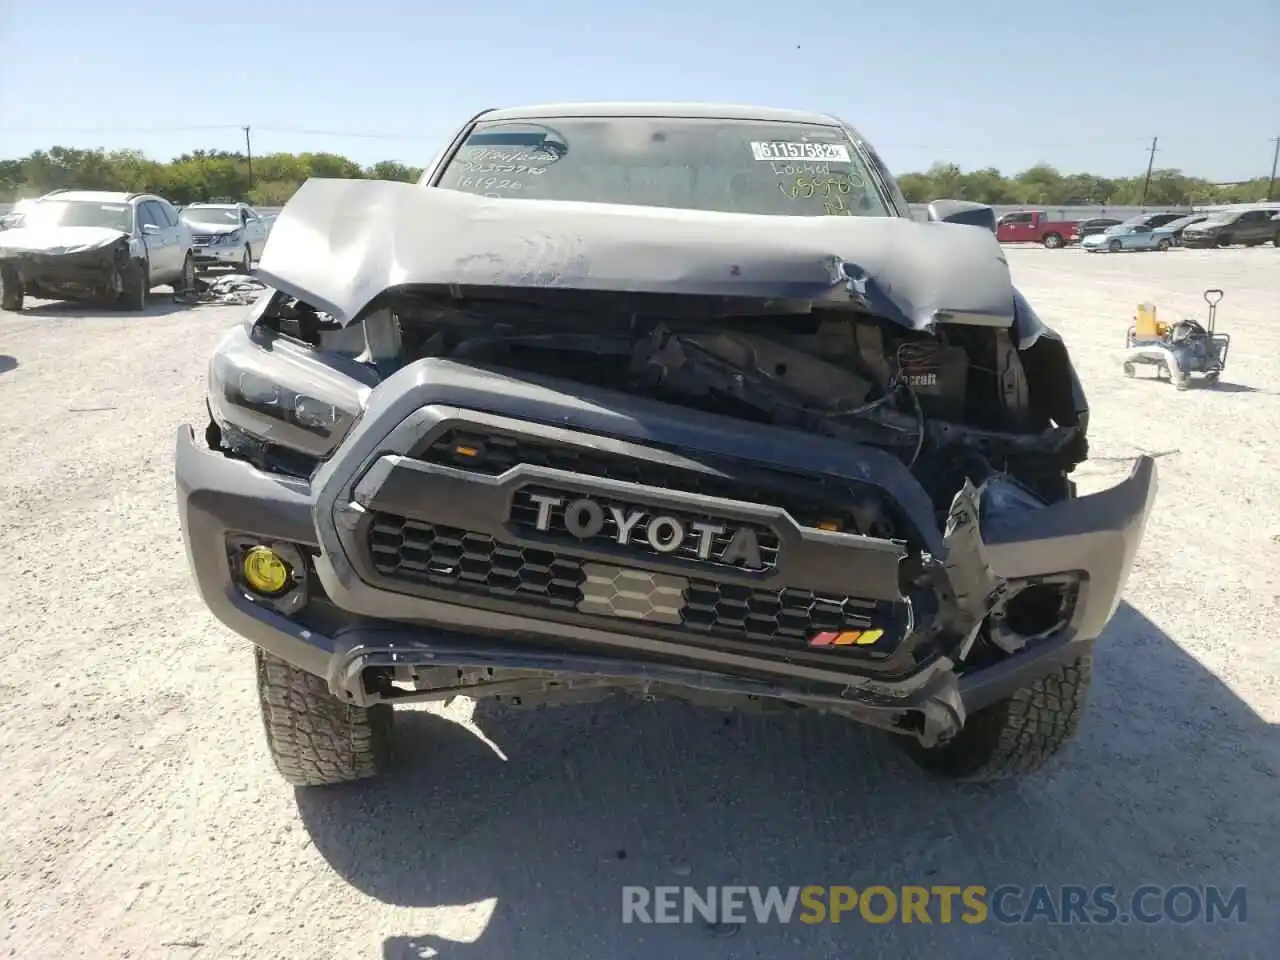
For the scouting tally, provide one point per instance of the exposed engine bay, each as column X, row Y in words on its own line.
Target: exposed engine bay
column 960, row 403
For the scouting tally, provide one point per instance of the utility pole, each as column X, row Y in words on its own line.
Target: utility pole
column 1151, row 160
column 1271, row 185
column 248, row 149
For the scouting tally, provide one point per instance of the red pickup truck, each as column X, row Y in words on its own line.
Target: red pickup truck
column 1032, row 226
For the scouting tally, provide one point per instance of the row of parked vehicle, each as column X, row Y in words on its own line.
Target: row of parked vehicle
column 110, row 246
column 1249, row 226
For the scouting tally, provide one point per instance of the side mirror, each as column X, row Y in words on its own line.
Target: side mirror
column 150, row 228
column 967, row 212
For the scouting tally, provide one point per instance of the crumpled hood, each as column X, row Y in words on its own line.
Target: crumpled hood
column 338, row 244
column 211, row 229
column 57, row 240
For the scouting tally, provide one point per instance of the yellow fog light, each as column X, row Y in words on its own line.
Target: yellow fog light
column 264, row 571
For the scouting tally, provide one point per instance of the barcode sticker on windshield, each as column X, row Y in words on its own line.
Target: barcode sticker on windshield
column 780, row 150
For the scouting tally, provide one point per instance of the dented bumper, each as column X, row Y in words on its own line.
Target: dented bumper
column 80, row 274
column 428, row 547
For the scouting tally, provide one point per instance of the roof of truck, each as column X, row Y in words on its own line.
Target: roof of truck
column 718, row 111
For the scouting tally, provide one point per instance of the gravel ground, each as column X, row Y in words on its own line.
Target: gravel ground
column 140, row 815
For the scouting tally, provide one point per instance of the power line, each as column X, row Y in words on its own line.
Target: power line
column 292, row 131
column 27, row 131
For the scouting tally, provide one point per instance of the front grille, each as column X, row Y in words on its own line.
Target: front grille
column 432, row 555
column 821, row 501
column 201, row 239
column 524, row 516
column 448, row 557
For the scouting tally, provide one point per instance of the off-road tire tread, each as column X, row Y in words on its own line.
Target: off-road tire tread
column 1018, row 735
column 315, row 739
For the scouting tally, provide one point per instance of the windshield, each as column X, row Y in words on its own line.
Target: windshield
column 79, row 213
column 213, row 216
column 731, row 166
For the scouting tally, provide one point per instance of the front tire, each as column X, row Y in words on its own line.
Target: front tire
column 137, row 286
column 246, row 261
column 1015, row 736
column 12, row 293
column 315, row 739
column 1163, row 246
column 1052, row 240
column 1113, row 246
column 186, row 282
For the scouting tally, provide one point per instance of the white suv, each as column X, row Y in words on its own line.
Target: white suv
column 95, row 245
column 226, row 234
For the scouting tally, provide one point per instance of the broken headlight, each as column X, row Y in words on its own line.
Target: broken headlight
column 282, row 395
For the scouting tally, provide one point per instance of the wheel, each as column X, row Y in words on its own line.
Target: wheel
column 246, row 260
column 314, row 738
column 1114, row 246
column 11, row 291
column 1163, row 245
column 1015, row 736
column 186, row 281
column 1275, row 241
column 1052, row 240
column 1211, row 378
column 1254, row 243
column 1224, row 241
column 1130, row 370
column 137, row 286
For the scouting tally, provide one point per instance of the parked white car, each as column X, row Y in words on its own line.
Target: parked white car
column 95, row 245
column 226, row 234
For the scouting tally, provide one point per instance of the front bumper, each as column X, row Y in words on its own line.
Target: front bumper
column 211, row 255
column 417, row 563
column 1194, row 240
column 83, row 274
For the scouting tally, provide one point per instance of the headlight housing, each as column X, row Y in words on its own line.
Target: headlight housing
column 229, row 239
column 278, row 392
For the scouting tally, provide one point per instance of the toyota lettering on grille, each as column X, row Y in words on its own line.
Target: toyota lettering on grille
column 585, row 518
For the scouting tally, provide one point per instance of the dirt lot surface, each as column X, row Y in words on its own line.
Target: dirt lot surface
column 140, row 815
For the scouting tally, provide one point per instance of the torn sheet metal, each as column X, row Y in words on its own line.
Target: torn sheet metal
column 232, row 289
column 338, row 244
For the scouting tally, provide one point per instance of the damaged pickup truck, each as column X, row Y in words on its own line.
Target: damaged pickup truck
column 94, row 245
column 662, row 400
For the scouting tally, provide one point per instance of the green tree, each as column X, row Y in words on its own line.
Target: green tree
column 206, row 174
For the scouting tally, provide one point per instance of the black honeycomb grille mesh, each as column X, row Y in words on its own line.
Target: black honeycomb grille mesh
column 432, row 555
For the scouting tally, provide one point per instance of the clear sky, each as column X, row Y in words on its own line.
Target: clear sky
column 1082, row 84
